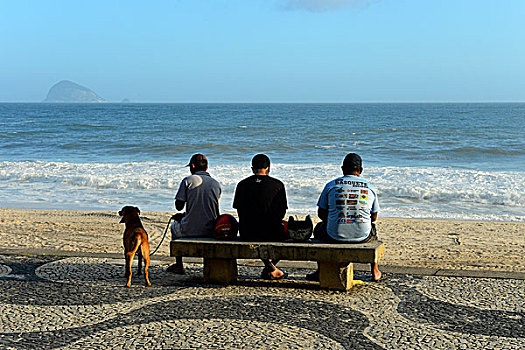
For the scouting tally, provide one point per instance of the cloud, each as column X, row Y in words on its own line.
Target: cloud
column 323, row 5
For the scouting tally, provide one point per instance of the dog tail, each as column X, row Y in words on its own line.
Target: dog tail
column 138, row 242
column 144, row 249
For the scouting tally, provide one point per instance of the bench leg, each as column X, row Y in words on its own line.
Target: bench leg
column 220, row 270
column 336, row 275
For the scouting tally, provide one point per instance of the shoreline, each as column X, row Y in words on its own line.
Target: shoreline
column 232, row 212
column 422, row 243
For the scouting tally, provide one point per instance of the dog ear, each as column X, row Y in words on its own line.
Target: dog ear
column 124, row 211
column 138, row 210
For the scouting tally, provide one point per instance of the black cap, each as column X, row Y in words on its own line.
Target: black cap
column 352, row 161
column 199, row 160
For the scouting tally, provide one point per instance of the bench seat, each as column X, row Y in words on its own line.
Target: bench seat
column 335, row 260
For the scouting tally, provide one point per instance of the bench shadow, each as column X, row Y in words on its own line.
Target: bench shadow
column 284, row 284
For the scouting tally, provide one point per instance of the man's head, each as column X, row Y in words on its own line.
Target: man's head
column 352, row 164
column 261, row 164
column 198, row 162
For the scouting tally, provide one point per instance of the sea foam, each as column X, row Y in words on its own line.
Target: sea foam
column 410, row 192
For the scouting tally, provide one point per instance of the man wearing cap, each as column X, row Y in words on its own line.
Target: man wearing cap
column 261, row 204
column 200, row 193
column 348, row 208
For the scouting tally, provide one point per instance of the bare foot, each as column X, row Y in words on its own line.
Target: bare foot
column 276, row 273
column 376, row 274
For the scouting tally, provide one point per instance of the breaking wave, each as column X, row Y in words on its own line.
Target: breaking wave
column 403, row 191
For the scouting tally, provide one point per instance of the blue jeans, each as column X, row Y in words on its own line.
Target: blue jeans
column 322, row 235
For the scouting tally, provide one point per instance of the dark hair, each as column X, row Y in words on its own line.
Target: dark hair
column 351, row 163
column 260, row 161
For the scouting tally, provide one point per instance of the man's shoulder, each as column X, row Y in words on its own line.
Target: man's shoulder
column 246, row 180
column 210, row 178
column 332, row 183
column 349, row 180
column 370, row 186
column 211, row 182
column 194, row 180
column 259, row 180
column 275, row 181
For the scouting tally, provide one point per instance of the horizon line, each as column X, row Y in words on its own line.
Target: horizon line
column 261, row 102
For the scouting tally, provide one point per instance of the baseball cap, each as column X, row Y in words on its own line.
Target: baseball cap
column 198, row 159
column 352, row 161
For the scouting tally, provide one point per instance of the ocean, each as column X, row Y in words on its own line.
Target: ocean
column 441, row 161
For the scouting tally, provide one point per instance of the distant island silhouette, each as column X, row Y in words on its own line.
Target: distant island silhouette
column 70, row 92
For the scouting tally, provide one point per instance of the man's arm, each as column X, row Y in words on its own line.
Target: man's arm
column 282, row 203
column 322, row 213
column 375, row 207
column 180, row 197
column 322, row 203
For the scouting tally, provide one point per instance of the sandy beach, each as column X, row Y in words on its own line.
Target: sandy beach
column 462, row 245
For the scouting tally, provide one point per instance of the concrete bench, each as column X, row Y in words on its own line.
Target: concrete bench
column 335, row 260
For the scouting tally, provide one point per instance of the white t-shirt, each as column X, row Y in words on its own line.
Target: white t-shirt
column 350, row 201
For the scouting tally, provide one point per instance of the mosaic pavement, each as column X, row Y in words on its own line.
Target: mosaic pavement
column 73, row 303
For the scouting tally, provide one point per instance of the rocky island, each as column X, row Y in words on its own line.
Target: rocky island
column 70, row 92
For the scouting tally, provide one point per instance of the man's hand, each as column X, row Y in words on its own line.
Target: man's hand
column 177, row 217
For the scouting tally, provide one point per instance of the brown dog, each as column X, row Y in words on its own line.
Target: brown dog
column 135, row 237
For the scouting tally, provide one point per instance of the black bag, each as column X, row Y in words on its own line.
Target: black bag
column 300, row 230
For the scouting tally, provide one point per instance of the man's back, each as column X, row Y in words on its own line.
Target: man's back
column 201, row 193
column 261, row 203
column 350, row 201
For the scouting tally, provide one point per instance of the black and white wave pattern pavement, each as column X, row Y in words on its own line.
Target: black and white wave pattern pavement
column 71, row 303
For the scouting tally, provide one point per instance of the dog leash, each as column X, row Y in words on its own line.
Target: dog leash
column 164, row 236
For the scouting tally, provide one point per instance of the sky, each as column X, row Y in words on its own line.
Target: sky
column 266, row 50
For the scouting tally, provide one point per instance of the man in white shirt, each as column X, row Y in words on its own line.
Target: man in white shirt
column 348, row 208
